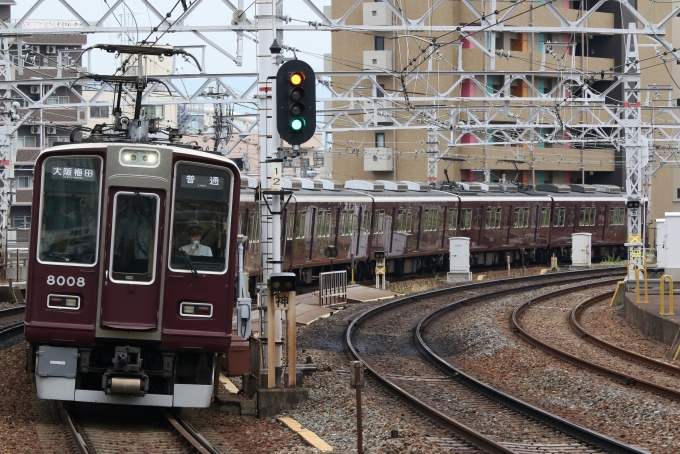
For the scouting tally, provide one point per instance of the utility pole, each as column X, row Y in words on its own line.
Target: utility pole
column 270, row 205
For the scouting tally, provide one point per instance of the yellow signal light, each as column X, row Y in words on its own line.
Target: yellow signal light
column 297, row 78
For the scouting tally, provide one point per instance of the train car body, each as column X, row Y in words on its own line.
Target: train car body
column 412, row 224
column 131, row 283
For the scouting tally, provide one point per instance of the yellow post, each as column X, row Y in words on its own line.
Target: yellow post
column 637, row 278
column 644, row 273
column 616, row 292
column 662, row 291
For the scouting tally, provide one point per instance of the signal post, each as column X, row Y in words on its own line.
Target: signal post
column 291, row 118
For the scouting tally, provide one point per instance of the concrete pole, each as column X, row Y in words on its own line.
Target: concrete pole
column 269, row 141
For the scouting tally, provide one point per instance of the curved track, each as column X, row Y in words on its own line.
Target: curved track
column 621, row 377
column 481, row 416
column 9, row 324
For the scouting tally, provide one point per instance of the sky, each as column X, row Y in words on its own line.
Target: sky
column 208, row 12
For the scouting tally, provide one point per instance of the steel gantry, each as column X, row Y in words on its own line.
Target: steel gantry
column 572, row 112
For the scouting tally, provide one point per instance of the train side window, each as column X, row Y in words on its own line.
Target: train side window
column 572, row 216
column 323, row 226
column 366, row 223
column 545, row 217
column 490, row 215
column 534, row 217
column 254, row 233
column 346, row 223
column 558, row 217
column 380, row 221
column 300, row 226
column 453, row 219
column 498, row 217
column 290, row 224
column 582, row 217
column 466, row 219
column 478, row 218
column 430, row 220
column 69, row 210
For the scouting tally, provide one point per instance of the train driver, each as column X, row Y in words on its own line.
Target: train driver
column 195, row 248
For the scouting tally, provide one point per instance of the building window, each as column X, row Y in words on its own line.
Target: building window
column 23, row 182
column 26, row 142
column 379, row 43
column 374, row 61
column 154, row 111
column 22, row 222
column 57, row 100
column 99, row 111
column 380, row 91
column 677, row 196
column 380, row 140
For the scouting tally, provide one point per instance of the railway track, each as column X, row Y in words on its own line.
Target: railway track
column 11, row 322
column 631, row 377
column 482, row 418
column 122, row 429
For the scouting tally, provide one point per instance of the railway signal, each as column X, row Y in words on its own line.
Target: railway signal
column 296, row 102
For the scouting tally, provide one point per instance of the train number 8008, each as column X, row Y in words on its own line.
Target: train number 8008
column 70, row 281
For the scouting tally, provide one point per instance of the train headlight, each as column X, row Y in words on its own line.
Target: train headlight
column 139, row 158
column 196, row 310
column 63, row 302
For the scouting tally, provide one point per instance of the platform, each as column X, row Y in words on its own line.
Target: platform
column 646, row 317
column 308, row 310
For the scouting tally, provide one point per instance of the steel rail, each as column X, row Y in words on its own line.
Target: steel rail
column 9, row 330
column 574, row 321
column 77, row 439
column 12, row 311
column 462, row 430
column 189, row 433
column 625, row 379
column 582, row 433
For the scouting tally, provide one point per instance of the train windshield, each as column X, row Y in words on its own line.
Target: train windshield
column 70, row 210
column 200, row 219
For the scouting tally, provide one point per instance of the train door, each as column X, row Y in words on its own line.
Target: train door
column 508, row 210
column 534, row 223
column 311, row 235
column 132, row 284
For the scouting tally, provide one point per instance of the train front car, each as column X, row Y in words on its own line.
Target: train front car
column 131, row 283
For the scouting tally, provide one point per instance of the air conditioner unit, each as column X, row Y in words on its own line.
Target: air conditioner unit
column 35, row 89
column 35, row 129
column 35, row 49
column 51, row 49
column 51, row 130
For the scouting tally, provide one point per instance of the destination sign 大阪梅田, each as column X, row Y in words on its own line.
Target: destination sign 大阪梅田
column 202, row 182
column 72, row 173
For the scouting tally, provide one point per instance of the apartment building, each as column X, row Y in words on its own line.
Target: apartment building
column 402, row 154
column 44, row 57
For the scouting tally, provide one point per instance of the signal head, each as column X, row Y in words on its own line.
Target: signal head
column 297, row 109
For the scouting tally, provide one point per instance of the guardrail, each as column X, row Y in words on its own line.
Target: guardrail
column 332, row 288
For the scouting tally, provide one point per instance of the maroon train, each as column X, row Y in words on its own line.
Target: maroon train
column 412, row 223
column 124, row 304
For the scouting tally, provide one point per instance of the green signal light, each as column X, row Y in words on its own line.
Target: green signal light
column 296, row 124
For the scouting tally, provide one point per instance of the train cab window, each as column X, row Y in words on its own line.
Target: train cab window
column 69, row 210
column 453, row 219
column 558, row 217
column 135, row 232
column 380, row 221
column 545, row 217
column 200, row 219
column 466, row 219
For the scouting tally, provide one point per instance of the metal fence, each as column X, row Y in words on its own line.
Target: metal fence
column 17, row 264
column 332, row 288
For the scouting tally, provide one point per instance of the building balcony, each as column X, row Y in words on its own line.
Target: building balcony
column 377, row 13
column 378, row 160
column 541, row 16
column 378, row 59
